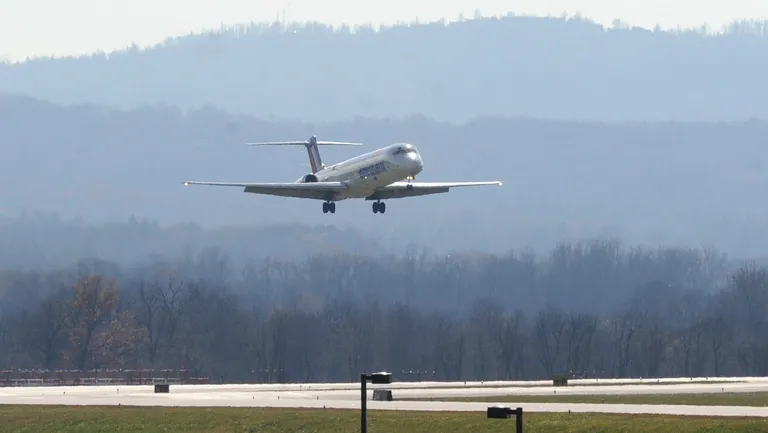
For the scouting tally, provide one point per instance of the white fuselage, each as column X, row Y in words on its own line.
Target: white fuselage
column 367, row 172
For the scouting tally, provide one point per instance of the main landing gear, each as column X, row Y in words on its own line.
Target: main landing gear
column 329, row 206
column 379, row 207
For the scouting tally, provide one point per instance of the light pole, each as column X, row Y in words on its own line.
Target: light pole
column 502, row 412
column 375, row 378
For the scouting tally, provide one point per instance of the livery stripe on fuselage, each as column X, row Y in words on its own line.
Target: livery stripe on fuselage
column 373, row 170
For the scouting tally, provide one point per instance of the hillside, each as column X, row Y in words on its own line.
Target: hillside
column 570, row 69
column 653, row 183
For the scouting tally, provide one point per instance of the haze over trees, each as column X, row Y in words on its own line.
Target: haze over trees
column 653, row 183
column 648, row 182
column 106, row 260
column 43, row 242
column 593, row 309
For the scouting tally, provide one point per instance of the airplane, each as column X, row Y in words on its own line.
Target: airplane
column 385, row 173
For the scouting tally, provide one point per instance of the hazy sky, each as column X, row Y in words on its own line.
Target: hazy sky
column 41, row 27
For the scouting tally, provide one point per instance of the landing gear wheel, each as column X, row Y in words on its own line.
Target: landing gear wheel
column 325, row 207
column 329, row 207
column 379, row 207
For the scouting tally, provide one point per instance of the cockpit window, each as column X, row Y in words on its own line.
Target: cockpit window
column 403, row 150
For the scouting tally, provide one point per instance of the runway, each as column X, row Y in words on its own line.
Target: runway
column 347, row 395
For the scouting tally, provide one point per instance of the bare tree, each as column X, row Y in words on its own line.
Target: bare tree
column 511, row 342
column 550, row 328
column 151, row 319
column 94, row 303
column 46, row 327
column 622, row 330
column 580, row 332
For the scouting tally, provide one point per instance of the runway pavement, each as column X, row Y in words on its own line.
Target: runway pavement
column 347, row 395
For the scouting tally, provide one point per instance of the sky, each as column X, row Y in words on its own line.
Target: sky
column 55, row 27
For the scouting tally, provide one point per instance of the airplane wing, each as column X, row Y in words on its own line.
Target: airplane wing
column 314, row 190
column 401, row 190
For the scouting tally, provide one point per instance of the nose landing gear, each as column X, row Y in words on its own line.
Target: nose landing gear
column 329, row 207
column 409, row 187
column 379, row 207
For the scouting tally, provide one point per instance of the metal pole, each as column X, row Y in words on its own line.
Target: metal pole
column 363, row 409
column 519, row 420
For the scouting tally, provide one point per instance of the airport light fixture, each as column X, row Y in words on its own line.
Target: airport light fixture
column 504, row 412
column 376, row 379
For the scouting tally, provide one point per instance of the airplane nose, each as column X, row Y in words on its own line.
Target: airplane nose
column 413, row 162
column 418, row 163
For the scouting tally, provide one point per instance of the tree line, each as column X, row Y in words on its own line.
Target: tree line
column 589, row 309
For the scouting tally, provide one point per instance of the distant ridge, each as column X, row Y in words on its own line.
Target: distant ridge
column 555, row 68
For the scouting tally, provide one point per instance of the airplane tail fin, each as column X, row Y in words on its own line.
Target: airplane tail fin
column 311, row 144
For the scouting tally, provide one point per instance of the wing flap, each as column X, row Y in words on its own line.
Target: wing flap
column 315, row 190
column 414, row 189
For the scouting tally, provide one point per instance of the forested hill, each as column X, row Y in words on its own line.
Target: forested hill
column 538, row 67
column 654, row 183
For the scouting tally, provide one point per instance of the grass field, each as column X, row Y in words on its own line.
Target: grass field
column 757, row 399
column 90, row 419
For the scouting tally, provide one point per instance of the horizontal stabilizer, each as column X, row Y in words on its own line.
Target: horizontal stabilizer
column 312, row 151
column 304, row 143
